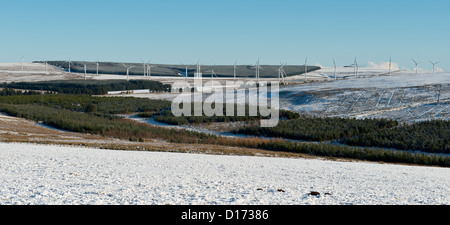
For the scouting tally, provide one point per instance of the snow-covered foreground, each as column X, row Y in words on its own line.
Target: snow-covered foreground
column 38, row 174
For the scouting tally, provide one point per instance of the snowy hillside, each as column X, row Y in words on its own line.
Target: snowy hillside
column 37, row 174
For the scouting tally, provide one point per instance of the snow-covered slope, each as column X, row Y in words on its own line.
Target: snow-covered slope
column 38, row 174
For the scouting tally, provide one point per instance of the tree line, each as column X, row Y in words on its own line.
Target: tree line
column 319, row 129
column 429, row 136
column 89, row 87
column 168, row 118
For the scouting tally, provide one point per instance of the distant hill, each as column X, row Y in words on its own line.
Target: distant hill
column 179, row 70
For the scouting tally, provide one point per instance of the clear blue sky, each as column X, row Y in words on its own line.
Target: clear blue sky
column 220, row 32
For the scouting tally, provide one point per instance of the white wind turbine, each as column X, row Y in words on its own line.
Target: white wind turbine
column 46, row 67
column 306, row 67
column 186, row 77
column 257, row 68
column 434, row 64
column 149, row 69
column 281, row 72
column 199, row 73
column 97, row 64
column 234, row 70
column 356, row 68
column 70, row 62
column 212, row 75
column 128, row 70
column 390, row 64
column 144, row 67
column 85, row 71
column 21, row 63
column 417, row 64
column 334, row 73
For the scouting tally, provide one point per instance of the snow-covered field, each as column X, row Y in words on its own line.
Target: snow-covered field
column 38, row 174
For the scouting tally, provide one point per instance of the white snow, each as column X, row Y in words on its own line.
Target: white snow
column 39, row 174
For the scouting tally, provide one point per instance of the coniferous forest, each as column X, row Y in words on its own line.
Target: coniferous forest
column 335, row 137
column 428, row 136
column 89, row 87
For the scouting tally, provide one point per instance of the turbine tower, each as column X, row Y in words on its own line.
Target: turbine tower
column 199, row 73
column 417, row 64
column 97, row 67
column 212, row 76
column 234, row 70
column 186, row 74
column 334, row 73
column 434, row 64
column 70, row 62
column 281, row 72
column 149, row 69
column 144, row 67
column 257, row 67
column 390, row 63
column 355, row 66
column 128, row 70
column 306, row 67
column 46, row 67
column 21, row 63
column 85, row 71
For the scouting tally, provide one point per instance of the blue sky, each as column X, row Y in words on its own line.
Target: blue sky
column 221, row 32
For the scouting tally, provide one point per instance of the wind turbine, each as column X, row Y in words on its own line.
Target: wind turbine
column 306, row 67
column 85, row 71
column 234, row 70
column 212, row 75
column 257, row 67
column 145, row 67
column 128, row 70
column 149, row 69
column 281, row 72
column 45, row 66
column 199, row 73
column 97, row 67
column 21, row 63
column 417, row 63
column 356, row 68
column 334, row 74
column 390, row 63
column 70, row 62
column 434, row 64
column 186, row 74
